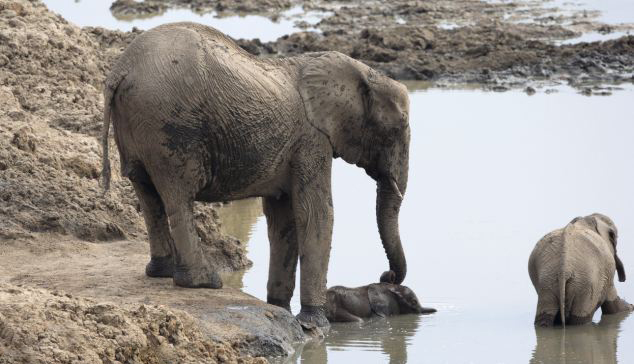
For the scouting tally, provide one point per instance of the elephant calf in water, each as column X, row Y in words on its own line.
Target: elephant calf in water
column 379, row 299
column 573, row 269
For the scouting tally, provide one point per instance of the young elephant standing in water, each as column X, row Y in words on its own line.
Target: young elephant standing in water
column 378, row 299
column 573, row 269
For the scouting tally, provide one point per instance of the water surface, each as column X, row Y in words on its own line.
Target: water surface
column 490, row 174
column 97, row 13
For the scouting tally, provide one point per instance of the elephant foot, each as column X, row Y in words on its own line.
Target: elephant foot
column 313, row 320
column 197, row 278
column 285, row 304
column 160, row 267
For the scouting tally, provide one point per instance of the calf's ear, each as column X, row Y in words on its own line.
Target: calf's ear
column 379, row 299
column 620, row 269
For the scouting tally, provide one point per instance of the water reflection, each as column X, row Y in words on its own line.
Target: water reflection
column 238, row 218
column 490, row 173
column 390, row 336
column 592, row 343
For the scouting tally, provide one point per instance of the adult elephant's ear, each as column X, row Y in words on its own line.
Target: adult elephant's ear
column 336, row 96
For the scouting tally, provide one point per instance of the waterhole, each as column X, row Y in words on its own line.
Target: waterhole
column 490, row 174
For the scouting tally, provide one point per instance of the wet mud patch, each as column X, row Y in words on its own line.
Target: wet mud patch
column 501, row 45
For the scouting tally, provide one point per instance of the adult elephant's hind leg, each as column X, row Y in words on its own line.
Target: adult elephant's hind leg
column 161, row 261
column 283, row 252
column 192, row 269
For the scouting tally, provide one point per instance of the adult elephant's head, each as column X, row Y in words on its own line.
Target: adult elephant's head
column 365, row 116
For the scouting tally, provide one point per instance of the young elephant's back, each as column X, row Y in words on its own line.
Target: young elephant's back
column 589, row 262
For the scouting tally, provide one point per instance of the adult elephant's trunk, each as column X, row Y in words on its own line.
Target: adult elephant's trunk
column 388, row 205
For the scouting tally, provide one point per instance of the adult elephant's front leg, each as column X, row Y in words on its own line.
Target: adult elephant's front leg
column 284, row 250
column 312, row 205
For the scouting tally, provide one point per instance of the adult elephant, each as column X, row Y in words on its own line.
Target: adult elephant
column 196, row 118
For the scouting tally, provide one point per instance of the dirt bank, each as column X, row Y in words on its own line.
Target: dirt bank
column 114, row 272
column 498, row 44
column 37, row 326
column 51, row 113
column 59, row 232
column 130, row 8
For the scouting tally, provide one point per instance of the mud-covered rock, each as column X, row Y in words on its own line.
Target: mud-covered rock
column 39, row 326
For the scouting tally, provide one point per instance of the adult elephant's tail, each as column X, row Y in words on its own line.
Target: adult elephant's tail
column 111, row 85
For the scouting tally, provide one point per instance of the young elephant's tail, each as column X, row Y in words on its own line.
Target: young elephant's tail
column 562, row 298
column 111, row 85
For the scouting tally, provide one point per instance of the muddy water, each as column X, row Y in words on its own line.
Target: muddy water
column 97, row 13
column 490, row 174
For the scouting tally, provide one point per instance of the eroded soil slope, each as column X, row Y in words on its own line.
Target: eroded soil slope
column 51, row 106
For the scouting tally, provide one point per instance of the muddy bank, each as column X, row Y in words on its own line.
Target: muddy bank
column 38, row 326
column 130, row 8
column 58, row 231
column 498, row 59
column 498, row 44
column 114, row 273
column 51, row 114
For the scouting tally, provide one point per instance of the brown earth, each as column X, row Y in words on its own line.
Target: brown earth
column 50, row 158
column 114, row 273
column 130, row 8
column 39, row 326
column 58, row 231
column 499, row 45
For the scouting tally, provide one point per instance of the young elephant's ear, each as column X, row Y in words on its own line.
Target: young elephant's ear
column 406, row 299
column 607, row 229
column 620, row 269
column 379, row 298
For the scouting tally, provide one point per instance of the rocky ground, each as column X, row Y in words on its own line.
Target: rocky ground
column 40, row 326
column 58, row 231
column 496, row 44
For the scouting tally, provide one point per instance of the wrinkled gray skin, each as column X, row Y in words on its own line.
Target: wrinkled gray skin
column 572, row 270
column 196, row 118
column 378, row 299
